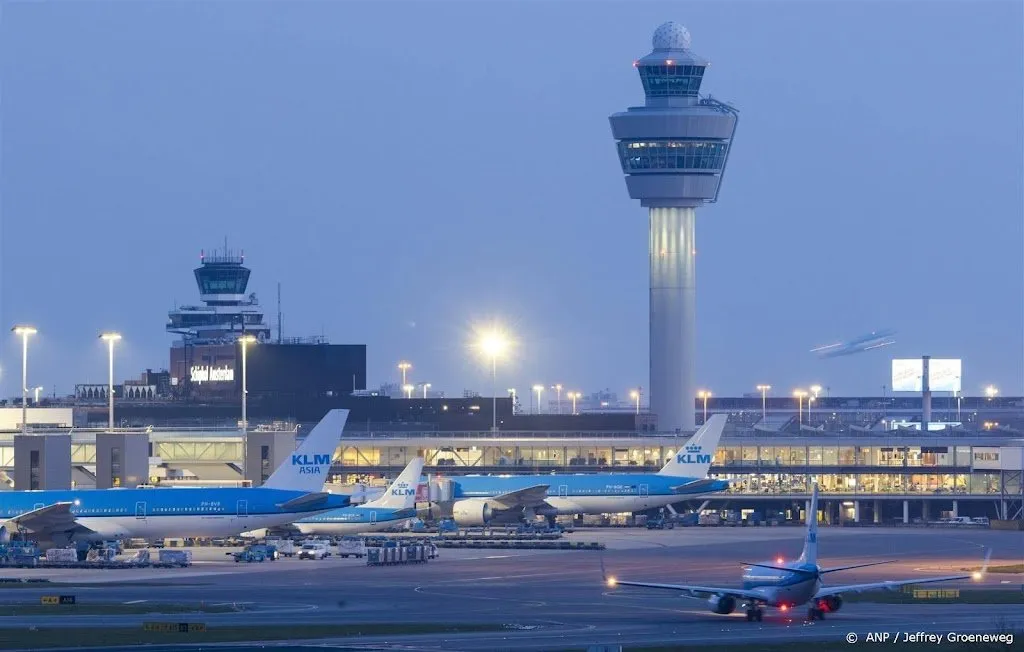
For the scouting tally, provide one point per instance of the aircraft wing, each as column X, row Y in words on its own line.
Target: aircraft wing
column 697, row 486
column 51, row 518
column 535, row 495
column 694, row 591
column 891, row 585
column 307, row 500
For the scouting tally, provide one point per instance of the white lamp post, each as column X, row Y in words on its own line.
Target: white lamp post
column 764, row 400
column 24, row 332
column 245, row 341
column 110, row 337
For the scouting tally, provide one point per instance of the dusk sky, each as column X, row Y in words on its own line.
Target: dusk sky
column 408, row 170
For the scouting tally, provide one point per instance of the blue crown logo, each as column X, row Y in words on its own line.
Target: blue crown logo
column 692, row 449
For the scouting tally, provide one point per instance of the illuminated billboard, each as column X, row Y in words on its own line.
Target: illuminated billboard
column 943, row 375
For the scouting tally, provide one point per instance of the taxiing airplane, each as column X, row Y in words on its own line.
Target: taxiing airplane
column 873, row 340
column 293, row 491
column 482, row 499
column 787, row 585
column 398, row 504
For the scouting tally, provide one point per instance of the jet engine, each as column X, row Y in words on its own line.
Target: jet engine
column 830, row 603
column 474, row 511
column 722, row 604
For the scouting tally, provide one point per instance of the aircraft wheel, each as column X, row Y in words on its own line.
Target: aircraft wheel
column 750, row 615
column 759, row 614
column 813, row 614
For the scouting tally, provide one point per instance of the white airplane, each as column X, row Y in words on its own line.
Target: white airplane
column 482, row 499
column 398, row 504
column 293, row 491
column 787, row 585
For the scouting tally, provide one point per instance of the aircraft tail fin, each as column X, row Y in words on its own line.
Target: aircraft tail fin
column 402, row 492
column 694, row 459
column 306, row 469
column 810, row 553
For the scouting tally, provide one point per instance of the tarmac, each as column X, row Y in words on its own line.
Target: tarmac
column 548, row 600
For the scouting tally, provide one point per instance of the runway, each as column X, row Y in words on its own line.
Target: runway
column 557, row 599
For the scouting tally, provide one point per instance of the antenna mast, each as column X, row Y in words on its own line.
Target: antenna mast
column 279, row 312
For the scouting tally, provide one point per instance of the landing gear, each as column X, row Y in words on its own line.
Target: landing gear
column 814, row 613
column 754, row 613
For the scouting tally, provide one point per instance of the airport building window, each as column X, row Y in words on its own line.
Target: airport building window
column 34, row 481
column 671, row 80
column 697, row 155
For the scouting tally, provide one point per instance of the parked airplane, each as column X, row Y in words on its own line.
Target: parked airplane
column 872, row 340
column 293, row 491
column 786, row 585
column 396, row 505
column 481, row 499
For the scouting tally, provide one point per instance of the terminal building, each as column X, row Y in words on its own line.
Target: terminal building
column 865, row 474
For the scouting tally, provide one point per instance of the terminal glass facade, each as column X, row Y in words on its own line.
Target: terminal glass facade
column 672, row 155
column 670, row 80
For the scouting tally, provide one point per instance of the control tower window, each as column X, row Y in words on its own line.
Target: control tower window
column 671, row 81
column 672, row 155
column 229, row 280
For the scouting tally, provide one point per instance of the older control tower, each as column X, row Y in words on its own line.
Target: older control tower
column 673, row 152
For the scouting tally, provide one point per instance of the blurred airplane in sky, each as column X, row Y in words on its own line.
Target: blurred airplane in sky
column 872, row 340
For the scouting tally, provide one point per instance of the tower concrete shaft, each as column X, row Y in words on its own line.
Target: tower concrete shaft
column 673, row 151
column 673, row 315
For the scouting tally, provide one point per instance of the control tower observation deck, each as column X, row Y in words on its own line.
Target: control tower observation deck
column 673, row 151
column 228, row 312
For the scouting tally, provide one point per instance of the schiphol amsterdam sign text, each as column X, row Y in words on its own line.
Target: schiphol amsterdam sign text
column 203, row 374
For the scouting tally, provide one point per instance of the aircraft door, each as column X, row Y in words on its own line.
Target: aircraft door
column 373, row 517
column 242, row 509
column 140, row 510
column 563, row 490
column 644, row 490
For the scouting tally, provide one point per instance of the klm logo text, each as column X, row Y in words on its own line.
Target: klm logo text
column 403, row 489
column 310, row 464
column 693, row 456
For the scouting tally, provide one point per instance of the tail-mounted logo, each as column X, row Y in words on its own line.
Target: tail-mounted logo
column 403, row 489
column 311, row 464
column 693, row 456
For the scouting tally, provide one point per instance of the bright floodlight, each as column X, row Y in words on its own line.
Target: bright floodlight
column 763, row 388
column 538, row 388
column 799, row 393
column 247, row 339
column 110, row 336
column 493, row 344
column 24, row 330
column 991, row 391
column 816, row 389
column 633, row 394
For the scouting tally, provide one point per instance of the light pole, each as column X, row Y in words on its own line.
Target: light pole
column 704, row 394
column 24, row 332
column 574, row 396
column 558, row 397
column 245, row 341
column 764, row 400
column 494, row 344
column 512, row 391
column 36, row 390
column 426, row 386
column 404, row 367
column 538, row 389
column 635, row 395
column 815, row 389
column 110, row 337
column 407, row 388
column 800, row 394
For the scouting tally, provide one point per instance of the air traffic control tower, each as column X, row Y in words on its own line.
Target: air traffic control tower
column 673, row 152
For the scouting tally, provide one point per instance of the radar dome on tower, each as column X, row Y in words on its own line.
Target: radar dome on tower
column 671, row 36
